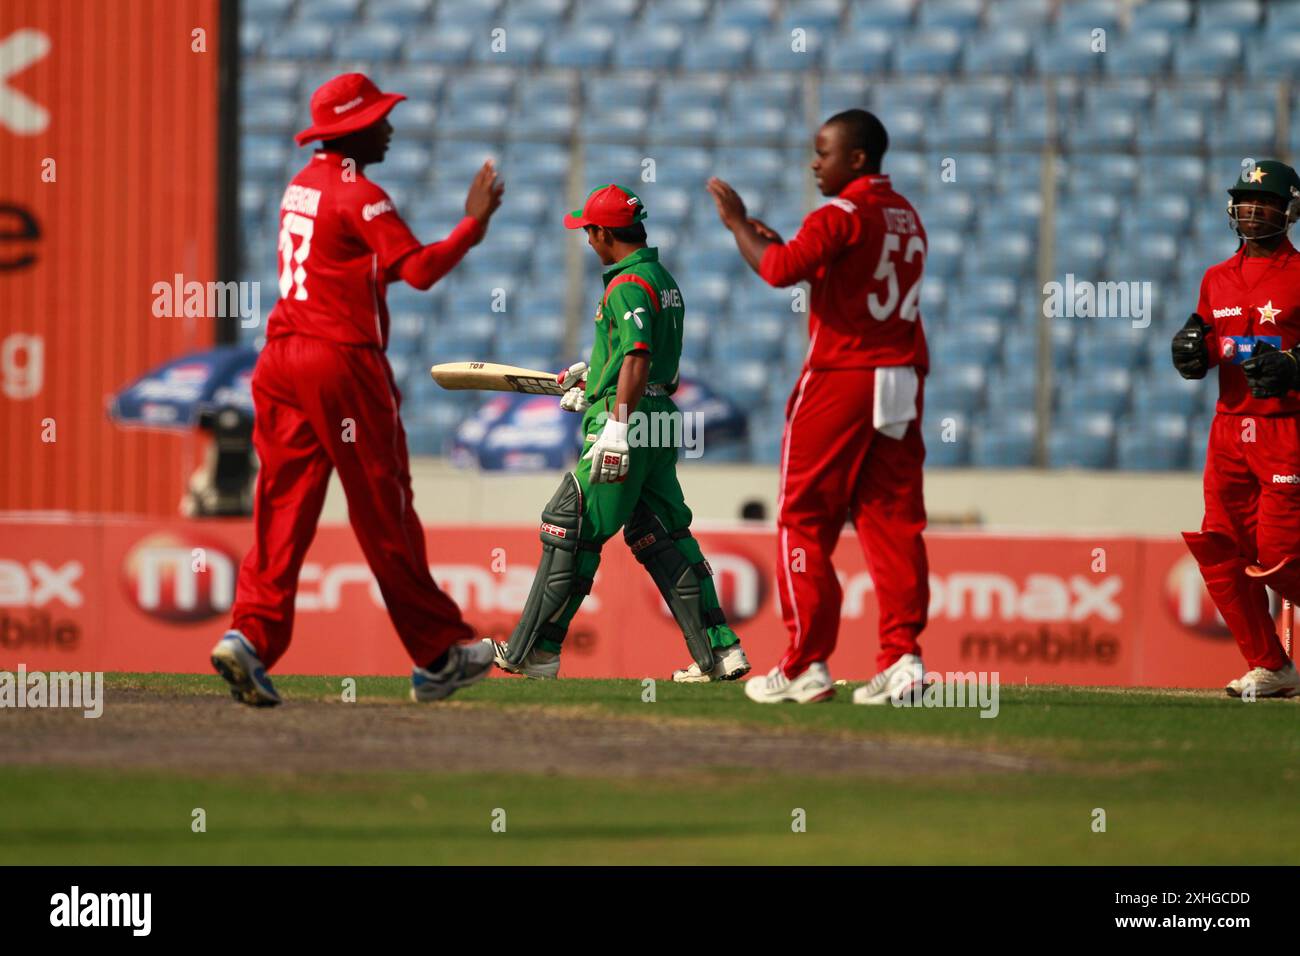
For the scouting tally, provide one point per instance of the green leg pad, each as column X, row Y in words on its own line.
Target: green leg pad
column 559, row 587
column 684, row 583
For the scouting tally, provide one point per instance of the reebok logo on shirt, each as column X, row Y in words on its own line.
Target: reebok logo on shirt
column 1226, row 313
column 376, row 209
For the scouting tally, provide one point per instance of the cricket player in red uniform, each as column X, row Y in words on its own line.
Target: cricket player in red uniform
column 324, row 399
column 1247, row 322
column 852, row 446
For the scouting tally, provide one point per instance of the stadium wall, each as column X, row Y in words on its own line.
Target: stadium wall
column 1101, row 502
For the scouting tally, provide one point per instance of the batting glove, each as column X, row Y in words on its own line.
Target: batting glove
column 609, row 455
column 1191, row 354
column 574, row 398
column 1270, row 372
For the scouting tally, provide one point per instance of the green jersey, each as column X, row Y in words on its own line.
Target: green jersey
column 641, row 311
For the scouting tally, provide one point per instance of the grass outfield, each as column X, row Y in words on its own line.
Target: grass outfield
column 1183, row 778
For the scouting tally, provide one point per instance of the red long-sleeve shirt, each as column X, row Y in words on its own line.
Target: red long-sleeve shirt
column 863, row 253
column 1245, row 300
column 341, row 244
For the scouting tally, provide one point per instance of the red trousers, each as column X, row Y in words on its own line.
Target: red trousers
column 321, row 406
column 1252, row 497
column 835, row 467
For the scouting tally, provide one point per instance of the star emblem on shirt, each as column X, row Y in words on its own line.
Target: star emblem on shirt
column 1256, row 175
column 1267, row 313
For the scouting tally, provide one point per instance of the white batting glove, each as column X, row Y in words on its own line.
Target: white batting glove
column 609, row 455
column 574, row 399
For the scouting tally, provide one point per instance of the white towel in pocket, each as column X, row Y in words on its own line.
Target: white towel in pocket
column 895, row 400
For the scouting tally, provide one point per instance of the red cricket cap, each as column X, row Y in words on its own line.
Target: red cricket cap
column 345, row 104
column 609, row 206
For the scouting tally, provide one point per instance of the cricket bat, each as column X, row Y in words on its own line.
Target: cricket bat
column 488, row 376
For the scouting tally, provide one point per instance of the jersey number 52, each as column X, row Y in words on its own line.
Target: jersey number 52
column 886, row 271
column 292, row 271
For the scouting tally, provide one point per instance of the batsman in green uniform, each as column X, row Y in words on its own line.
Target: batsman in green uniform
column 627, row 476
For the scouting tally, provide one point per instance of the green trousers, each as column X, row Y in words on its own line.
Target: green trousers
column 651, row 481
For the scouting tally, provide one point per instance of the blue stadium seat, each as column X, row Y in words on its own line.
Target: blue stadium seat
column 685, row 92
column 1172, row 132
column 1003, row 49
column 399, row 13
column 972, row 129
column 1240, row 17
column 962, row 16
column 946, row 431
column 1136, row 53
column 306, row 41
column 1081, row 253
column 840, row 93
column 781, row 51
column 1011, row 256
column 1162, row 16
column 1208, row 54
column 868, row 51
column 1282, row 16
column 719, row 49
column 657, row 49
column 892, row 15
column 822, row 16
column 1106, row 346
column 332, row 12
column 1011, row 391
column 446, row 45
column 1168, row 394
column 264, row 155
column 956, row 386
column 956, row 212
column 1087, row 15
column 686, row 14
column 1081, row 441
column 752, row 15
column 519, row 46
column 475, row 14
column 943, row 257
column 1102, row 130
column 1158, row 443
column 1005, row 441
column 745, row 382
column 1068, row 53
column 1021, row 131
column 1019, row 14
column 931, row 52
column 617, row 15
column 1101, row 390
column 906, row 126
column 582, row 47
column 373, row 42
column 271, row 115
column 265, row 11
column 1248, row 132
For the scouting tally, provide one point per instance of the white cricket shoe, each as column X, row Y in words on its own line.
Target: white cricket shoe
column 894, row 683
column 466, row 664
column 235, row 660
column 1284, row 682
column 812, row 685
column 539, row 664
column 729, row 663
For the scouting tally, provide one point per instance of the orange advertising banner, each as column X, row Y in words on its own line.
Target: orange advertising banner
column 140, row 595
column 108, row 172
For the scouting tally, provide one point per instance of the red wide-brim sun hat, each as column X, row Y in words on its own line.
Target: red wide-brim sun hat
column 345, row 104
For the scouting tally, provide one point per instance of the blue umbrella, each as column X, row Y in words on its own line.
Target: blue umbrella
column 180, row 393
